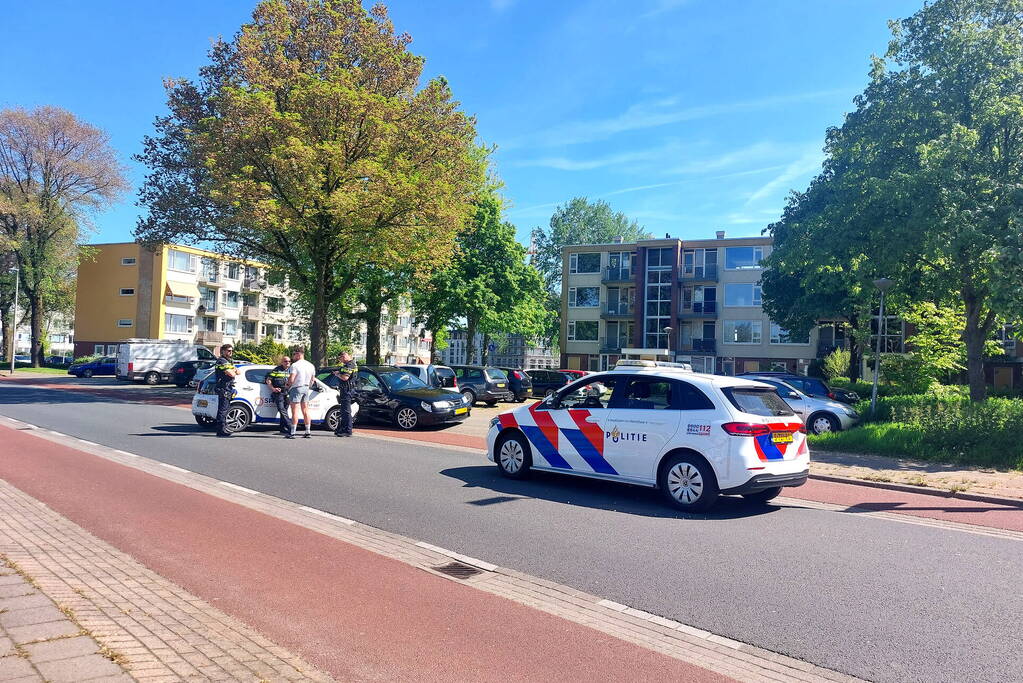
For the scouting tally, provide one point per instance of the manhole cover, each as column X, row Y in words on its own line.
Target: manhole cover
column 458, row 570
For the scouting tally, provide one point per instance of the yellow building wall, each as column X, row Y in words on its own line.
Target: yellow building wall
column 98, row 303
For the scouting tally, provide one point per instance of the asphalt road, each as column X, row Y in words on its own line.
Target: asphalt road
column 878, row 599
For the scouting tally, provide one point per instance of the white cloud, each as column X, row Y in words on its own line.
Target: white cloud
column 808, row 162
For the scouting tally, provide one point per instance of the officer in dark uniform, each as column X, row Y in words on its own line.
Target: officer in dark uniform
column 346, row 385
column 225, row 373
column 277, row 380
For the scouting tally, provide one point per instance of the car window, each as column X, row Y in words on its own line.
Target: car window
column 496, row 375
column 367, row 380
column 764, row 402
column 108, row 360
column 257, row 376
column 647, row 393
column 474, row 374
column 689, row 397
column 593, row 394
column 399, row 380
column 205, row 354
column 460, row 372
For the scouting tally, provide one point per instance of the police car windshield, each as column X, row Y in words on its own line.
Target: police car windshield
column 399, row 380
column 764, row 402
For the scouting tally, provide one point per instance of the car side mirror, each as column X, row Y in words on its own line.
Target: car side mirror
column 792, row 394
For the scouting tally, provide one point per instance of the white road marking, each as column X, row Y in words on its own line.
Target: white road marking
column 90, row 443
column 487, row 566
column 321, row 513
column 130, row 455
column 238, row 488
column 174, row 467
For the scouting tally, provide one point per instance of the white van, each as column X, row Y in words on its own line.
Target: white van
column 151, row 360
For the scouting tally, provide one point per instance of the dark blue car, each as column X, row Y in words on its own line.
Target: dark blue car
column 107, row 365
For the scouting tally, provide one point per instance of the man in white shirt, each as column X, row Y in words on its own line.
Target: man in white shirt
column 300, row 380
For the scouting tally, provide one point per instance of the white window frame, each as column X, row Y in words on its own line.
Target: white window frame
column 191, row 261
column 127, row 291
column 189, row 323
column 231, row 321
column 227, row 271
column 755, row 258
column 129, row 261
column 238, row 300
column 573, row 263
column 111, row 350
column 756, row 332
column 98, row 349
column 573, row 294
column 125, row 322
column 756, row 295
column 776, row 331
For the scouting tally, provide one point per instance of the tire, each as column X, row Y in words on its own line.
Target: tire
column 688, row 482
column 238, row 418
column 823, row 423
column 470, row 396
column 203, row 421
column 331, row 418
column 151, row 378
column 548, row 393
column 406, row 418
column 86, row 373
column 763, row 496
column 512, row 456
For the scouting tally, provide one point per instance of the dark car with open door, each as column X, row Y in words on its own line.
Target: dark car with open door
column 519, row 383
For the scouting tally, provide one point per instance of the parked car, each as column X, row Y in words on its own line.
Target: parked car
column 252, row 404
column 811, row 386
column 107, row 365
column 58, row 361
column 183, row 371
column 482, row 383
column 22, row 358
column 390, row 394
column 820, row 415
column 546, row 382
column 436, row 376
column 573, row 375
column 520, row 384
column 151, row 360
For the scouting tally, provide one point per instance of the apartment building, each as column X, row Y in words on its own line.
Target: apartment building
column 695, row 301
column 178, row 292
column 516, row 351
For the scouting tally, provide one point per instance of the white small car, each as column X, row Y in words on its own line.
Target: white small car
column 820, row 415
column 692, row 435
column 252, row 403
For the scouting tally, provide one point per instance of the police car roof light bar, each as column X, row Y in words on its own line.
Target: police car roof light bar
column 633, row 363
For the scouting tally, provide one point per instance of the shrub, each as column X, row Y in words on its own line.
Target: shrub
column 908, row 371
column 86, row 359
column 266, row 352
column 836, row 363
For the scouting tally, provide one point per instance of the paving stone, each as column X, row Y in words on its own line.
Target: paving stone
column 25, row 602
column 15, row 589
column 15, row 667
column 51, row 629
column 11, row 579
column 63, row 648
column 6, row 646
column 33, row 615
column 78, row 669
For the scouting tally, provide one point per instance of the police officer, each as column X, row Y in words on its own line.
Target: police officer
column 225, row 373
column 346, row 384
column 277, row 380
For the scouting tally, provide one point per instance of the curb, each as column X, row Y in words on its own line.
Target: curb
column 925, row 490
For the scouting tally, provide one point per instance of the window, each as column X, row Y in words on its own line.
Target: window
column 781, row 336
column 208, row 324
column 205, row 354
column 647, row 393
column 233, row 271
column 231, row 327
column 780, row 366
column 660, row 258
column 699, row 299
column 112, row 351
column 582, row 330
column 256, row 376
column 743, row 258
column 689, row 397
column 619, row 265
column 177, row 323
column 583, row 297
column 763, row 402
column 743, row 294
column 595, row 394
column 208, row 298
column 367, row 380
column 892, row 334
column 584, row 263
column 231, row 299
column 741, row 331
column 181, row 261
column 275, row 304
column 128, row 261
column 275, row 331
column 97, row 349
column 125, row 322
column 210, row 270
column 657, row 307
column 700, row 263
column 127, row 291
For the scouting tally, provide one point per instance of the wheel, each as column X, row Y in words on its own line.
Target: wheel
column 688, row 483
column 87, row 373
column 469, row 396
column 763, row 496
column 204, row 421
column 331, row 418
column 406, row 418
column 491, row 404
column 512, row 455
column 548, row 393
column 823, row 423
column 151, row 378
column 238, row 418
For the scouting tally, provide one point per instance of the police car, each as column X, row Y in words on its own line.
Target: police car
column 252, row 403
column 693, row 436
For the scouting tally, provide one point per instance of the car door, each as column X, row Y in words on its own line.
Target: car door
column 108, row 366
column 642, row 423
column 580, row 416
column 371, row 394
column 253, row 389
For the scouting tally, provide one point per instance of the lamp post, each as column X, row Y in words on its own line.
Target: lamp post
column 14, row 319
column 667, row 335
column 883, row 284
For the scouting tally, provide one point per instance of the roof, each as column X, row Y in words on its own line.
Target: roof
column 699, row 378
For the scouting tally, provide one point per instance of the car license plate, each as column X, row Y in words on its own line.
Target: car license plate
column 781, row 437
column 202, row 404
column 500, row 386
column 460, row 411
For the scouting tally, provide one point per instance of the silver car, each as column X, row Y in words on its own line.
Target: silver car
column 820, row 415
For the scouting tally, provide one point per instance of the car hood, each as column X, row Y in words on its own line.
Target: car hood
column 428, row 395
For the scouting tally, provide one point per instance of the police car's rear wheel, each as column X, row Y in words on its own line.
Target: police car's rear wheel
column 238, row 418
column 331, row 418
column 406, row 418
column 688, row 483
column 512, row 455
column 763, row 496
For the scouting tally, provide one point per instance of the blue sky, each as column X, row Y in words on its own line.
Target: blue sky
column 688, row 115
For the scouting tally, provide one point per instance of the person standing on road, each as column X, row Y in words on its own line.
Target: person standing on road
column 277, row 380
column 346, row 384
column 225, row 372
column 300, row 380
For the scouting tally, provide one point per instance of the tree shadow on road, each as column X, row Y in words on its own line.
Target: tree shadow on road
column 592, row 493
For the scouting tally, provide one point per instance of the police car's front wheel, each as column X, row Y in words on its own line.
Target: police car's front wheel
column 688, row 483
column 512, row 455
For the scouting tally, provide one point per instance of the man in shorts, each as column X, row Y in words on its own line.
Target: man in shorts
column 300, row 380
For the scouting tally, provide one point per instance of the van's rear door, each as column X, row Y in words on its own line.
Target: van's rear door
column 123, row 361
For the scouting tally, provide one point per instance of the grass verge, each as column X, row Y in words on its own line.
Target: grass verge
column 42, row 371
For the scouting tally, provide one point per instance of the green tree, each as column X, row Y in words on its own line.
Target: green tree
column 836, row 364
column 307, row 143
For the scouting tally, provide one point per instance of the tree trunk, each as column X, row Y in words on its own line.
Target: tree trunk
column 487, row 360
column 855, row 349
column 36, row 302
column 433, row 345
column 470, row 341
column 975, row 335
column 374, row 313
column 319, row 328
column 6, row 330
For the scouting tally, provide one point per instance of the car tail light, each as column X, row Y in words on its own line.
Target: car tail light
column 179, row 370
column 130, row 366
column 831, row 395
column 516, row 374
column 745, row 429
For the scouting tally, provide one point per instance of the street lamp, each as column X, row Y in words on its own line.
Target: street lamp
column 667, row 339
column 14, row 321
column 883, row 284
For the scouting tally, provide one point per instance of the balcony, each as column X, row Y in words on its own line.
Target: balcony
column 172, row 302
column 616, row 275
column 700, row 309
column 700, row 346
column 617, row 310
column 256, row 284
column 252, row 312
column 209, row 338
column 614, row 344
column 209, row 279
column 699, row 274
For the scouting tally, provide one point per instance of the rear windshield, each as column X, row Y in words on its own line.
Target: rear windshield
column 765, row 402
column 445, row 372
column 496, row 375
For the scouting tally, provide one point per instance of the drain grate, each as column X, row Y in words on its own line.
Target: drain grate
column 459, row 570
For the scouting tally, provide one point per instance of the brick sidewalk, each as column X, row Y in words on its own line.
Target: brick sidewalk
column 73, row 608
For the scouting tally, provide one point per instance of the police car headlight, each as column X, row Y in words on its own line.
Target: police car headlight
column 428, row 407
column 494, row 421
